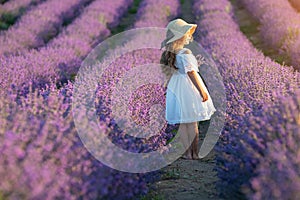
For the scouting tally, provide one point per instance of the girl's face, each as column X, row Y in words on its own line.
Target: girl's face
column 187, row 38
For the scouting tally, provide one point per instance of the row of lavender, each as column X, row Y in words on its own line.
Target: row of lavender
column 258, row 151
column 66, row 137
column 14, row 7
column 11, row 10
column 280, row 26
column 38, row 25
column 65, row 51
column 47, row 159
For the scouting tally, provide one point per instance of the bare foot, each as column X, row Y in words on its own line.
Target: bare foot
column 195, row 156
column 187, row 157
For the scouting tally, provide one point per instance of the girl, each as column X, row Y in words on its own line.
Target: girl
column 187, row 98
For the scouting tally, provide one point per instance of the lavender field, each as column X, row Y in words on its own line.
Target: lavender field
column 255, row 45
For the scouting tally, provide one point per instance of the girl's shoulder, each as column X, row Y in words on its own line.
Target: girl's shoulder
column 186, row 56
column 185, row 52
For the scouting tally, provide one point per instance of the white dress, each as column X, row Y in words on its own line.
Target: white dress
column 183, row 100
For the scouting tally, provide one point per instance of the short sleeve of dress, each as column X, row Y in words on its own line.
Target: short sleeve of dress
column 189, row 62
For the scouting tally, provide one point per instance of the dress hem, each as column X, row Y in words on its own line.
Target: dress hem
column 191, row 120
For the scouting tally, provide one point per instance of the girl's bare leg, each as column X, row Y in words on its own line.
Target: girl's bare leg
column 195, row 147
column 193, row 134
column 185, row 135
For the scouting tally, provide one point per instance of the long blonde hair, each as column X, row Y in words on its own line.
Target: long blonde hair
column 168, row 57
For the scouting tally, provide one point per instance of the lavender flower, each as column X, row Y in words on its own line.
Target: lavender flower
column 252, row 81
column 38, row 25
column 61, row 58
column 42, row 155
column 280, row 26
column 14, row 9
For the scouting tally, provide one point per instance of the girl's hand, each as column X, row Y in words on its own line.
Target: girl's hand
column 204, row 96
column 201, row 60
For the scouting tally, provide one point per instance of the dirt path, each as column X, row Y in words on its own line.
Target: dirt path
column 186, row 179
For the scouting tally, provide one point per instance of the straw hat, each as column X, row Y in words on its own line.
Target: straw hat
column 177, row 29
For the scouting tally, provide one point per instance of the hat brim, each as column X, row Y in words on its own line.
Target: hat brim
column 178, row 35
column 193, row 28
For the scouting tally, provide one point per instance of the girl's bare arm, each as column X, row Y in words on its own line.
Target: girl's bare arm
column 194, row 78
